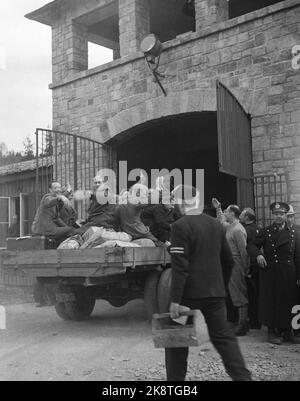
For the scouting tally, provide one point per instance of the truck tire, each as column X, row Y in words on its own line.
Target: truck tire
column 150, row 294
column 164, row 291
column 81, row 309
column 60, row 308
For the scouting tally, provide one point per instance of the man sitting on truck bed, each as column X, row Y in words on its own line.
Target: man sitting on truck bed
column 129, row 215
column 47, row 221
column 101, row 211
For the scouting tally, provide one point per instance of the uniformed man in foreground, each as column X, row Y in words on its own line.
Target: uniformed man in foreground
column 201, row 269
column 277, row 251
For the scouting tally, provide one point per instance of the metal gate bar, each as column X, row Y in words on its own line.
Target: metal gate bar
column 69, row 159
column 269, row 189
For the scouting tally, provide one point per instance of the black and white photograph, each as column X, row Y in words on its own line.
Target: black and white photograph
column 149, row 193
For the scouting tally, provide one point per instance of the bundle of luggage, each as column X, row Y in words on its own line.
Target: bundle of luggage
column 99, row 237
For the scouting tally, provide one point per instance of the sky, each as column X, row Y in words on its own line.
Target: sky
column 25, row 72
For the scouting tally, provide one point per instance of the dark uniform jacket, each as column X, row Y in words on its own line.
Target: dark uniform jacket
column 278, row 290
column 296, row 227
column 201, row 258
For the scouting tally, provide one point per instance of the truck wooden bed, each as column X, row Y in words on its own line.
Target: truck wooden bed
column 74, row 279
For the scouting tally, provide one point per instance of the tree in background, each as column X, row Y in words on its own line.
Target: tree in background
column 3, row 149
column 11, row 156
column 28, row 148
column 47, row 145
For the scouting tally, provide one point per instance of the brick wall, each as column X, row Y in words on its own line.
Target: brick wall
column 251, row 55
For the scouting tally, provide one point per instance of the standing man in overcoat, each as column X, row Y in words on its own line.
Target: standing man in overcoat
column 237, row 239
column 279, row 275
column 201, row 267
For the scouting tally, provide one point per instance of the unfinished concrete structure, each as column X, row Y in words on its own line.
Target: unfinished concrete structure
column 249, row 46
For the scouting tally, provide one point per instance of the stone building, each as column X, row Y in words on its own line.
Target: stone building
column 251, row 47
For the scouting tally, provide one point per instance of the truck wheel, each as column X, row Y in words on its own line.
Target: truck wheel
column 60, row 308
column 164, row 291
column 150, row 294
column 80, row 309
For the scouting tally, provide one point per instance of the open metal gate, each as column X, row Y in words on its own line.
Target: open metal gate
column 71, row 160
column 235, row 145
column 269, row 189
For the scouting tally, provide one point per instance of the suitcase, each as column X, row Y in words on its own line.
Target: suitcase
column 167, row 335
column 37, row 243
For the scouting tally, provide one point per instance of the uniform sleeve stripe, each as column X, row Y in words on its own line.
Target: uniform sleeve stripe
column 180, row 252
column 177, row 248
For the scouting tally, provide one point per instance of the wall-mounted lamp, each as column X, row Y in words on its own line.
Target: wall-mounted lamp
column 152, row 49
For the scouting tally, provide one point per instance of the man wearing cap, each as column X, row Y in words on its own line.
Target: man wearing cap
column 279, row 274
column 201, row 267
column 291, row 219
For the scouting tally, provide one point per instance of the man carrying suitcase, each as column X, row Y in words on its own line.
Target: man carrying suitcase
column 201, row 269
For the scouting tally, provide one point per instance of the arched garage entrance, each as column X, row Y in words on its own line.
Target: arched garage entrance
column 217, row 141
column 188, row 141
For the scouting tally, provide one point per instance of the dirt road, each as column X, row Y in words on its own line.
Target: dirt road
column 116, row 344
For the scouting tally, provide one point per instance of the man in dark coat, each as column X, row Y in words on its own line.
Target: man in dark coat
column 201, row 268
column 101, row 211
column 279, row 274
column 248, row 219
column 129, row 215
column 47, row 221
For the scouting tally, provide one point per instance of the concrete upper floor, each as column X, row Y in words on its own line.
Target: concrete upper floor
column 120, row 25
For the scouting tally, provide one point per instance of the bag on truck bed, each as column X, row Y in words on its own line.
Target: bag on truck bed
column 37, row 243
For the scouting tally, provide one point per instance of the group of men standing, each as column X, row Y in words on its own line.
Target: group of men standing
column 266, row 273
column 209, row 261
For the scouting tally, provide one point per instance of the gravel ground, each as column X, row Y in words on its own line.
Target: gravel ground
column 116, row 344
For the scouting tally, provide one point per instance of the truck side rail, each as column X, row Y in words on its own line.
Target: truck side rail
column 85, row 262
